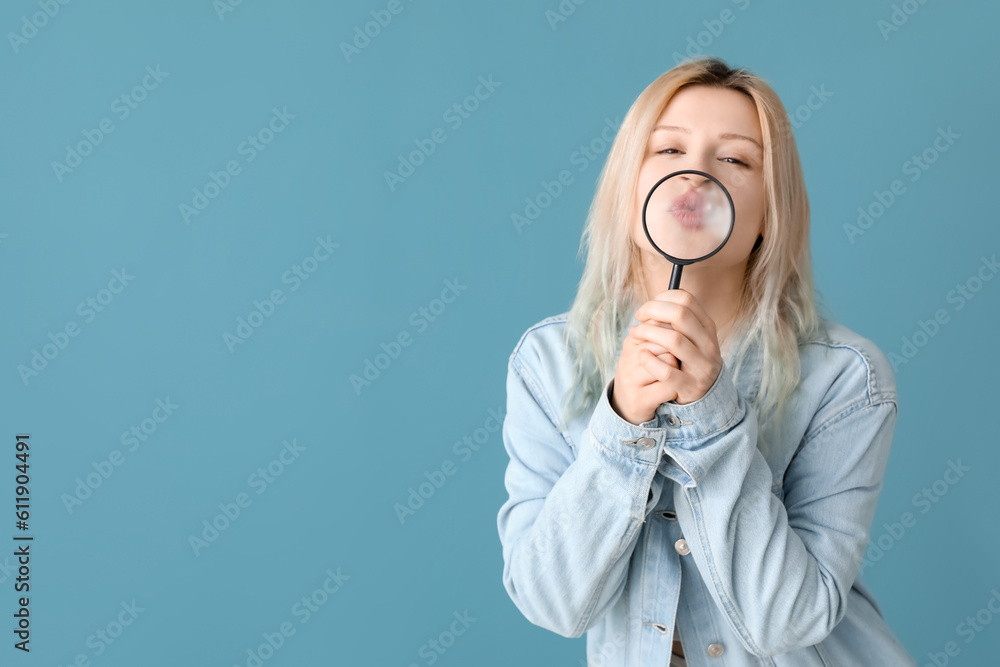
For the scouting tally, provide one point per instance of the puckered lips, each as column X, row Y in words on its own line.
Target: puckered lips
column 688, row 209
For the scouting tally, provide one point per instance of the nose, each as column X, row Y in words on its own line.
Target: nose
column 696, row 181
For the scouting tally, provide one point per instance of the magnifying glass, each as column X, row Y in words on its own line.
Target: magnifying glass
column 687, row 216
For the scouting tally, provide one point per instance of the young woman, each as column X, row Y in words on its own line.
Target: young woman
column 694, row 472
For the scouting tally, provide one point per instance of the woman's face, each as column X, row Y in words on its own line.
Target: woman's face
column 717, row 131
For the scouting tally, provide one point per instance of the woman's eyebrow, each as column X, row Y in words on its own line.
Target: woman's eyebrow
column 724, row 135
column 733, row 135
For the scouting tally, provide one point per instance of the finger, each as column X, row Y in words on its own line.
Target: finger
column 670, row 385
column 684, row 298
column 673, row 341
column 658, row 392
column 666, row 376
column 674, row 306
column 660, row 352
column 678, row 308
column 698, row 369
column 645, row 378
column 684, row 320
column 652, row 346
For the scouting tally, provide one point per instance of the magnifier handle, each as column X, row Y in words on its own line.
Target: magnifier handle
column 675, row 276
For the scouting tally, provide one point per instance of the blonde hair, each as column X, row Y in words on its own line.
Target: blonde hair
column 777, row 305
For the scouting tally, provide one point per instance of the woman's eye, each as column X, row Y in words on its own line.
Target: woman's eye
column 736, row 161
column 668, row 150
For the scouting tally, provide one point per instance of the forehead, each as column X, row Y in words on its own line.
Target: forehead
column 712, row 109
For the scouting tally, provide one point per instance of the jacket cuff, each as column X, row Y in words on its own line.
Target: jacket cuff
column 717, row 411
column 642, row 443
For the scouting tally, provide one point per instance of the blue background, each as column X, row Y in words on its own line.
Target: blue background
column 323, row 176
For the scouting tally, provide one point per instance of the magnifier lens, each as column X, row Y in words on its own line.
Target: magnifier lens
column 688, row 216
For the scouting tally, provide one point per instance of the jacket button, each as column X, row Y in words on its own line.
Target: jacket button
column 681, row 546
column 669, row 515
column 645, row 443
column 673, row 421
column 714, row 650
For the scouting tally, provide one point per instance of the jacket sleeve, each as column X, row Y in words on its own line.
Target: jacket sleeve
column 572, row 518
column 780, row 572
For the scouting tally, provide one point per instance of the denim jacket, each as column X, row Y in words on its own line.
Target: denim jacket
column 680, row 525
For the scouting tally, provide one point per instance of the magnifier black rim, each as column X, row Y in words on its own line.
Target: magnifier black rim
column 732, row 218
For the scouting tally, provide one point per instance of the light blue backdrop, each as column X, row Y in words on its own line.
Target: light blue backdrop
column 228, row 160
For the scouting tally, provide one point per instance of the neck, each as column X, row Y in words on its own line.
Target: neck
column 718, row 290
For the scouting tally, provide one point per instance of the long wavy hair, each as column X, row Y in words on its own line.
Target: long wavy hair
column 777, row 305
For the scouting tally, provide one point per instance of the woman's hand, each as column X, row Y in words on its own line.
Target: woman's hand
column 673, row 328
